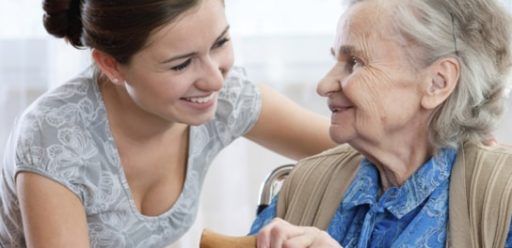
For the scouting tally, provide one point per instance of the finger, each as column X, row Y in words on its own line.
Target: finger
column 306, row 239
column 300, row 241
column 312, row 237
column 279, row 234
column 276, row 232
column 264, row 236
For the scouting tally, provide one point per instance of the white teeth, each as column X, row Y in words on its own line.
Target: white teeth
column 199, row 99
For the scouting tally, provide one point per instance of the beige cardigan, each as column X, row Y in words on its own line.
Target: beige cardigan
column 480, row 198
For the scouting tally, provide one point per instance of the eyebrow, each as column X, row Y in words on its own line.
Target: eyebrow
column 347, row 50
column 179, row 57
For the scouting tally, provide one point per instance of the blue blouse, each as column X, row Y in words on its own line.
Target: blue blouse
column 412, row 215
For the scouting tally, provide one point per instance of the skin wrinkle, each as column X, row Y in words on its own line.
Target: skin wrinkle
column 352, row 28
column 372, row 87
column 374, row 73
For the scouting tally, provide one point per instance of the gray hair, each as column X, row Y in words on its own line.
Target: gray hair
column 478, row 34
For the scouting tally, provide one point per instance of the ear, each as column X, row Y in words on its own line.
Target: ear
column 108, row 66
column 444, row 76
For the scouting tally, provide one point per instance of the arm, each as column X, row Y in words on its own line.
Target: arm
column 52, row 215
column 287, row 128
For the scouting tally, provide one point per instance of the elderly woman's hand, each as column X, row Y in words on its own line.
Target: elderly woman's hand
column 280, row 233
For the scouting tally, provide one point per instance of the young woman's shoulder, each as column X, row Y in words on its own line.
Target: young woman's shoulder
column 73, row 102
column 59, row 131
column 239, row 105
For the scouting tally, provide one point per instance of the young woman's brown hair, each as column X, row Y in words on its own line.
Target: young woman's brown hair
column 116, row 27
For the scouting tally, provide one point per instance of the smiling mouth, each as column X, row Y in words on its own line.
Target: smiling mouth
column 339, row 109
column 199, row 100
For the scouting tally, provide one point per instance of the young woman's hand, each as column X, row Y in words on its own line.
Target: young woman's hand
column 280, row 233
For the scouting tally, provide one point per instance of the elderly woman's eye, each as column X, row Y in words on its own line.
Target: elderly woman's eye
column 355, row 62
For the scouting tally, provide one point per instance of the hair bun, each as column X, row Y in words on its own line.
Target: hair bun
column 62, row 20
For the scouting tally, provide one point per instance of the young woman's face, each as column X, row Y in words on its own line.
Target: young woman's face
column 178, row 76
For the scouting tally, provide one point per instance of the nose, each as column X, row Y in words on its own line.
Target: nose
column 215, row 70
column 212, row 77
column 330, row 83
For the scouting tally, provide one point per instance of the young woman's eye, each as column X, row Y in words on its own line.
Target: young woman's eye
column 220, row 43
column 182, row 66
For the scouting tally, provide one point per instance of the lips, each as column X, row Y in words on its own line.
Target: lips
column 335, row 108
column 339, row 109
column 199, row 99
column 339, row 104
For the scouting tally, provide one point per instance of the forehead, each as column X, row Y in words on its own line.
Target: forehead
column 366, row 27
column 366, row 15
column 203, row 22
column 364, row 19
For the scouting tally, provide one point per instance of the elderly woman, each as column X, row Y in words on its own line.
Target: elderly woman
column 416, row 87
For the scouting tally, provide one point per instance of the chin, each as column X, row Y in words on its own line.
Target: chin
column 195, row 118
column 339, row 139
column 340, row 134
column 198, row 120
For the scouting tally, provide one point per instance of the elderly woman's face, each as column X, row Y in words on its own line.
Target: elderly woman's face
column 372, row 90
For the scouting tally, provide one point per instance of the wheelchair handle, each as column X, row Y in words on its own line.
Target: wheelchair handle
column 211, row 239
column 268, row 189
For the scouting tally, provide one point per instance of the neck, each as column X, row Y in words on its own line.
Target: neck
column 397, row 157
column 128, row 120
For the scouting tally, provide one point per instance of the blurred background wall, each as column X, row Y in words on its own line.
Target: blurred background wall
column 282, row 43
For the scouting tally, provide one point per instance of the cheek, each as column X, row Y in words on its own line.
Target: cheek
column 364, row 91
column 381, row 102
column 161, row 90
column 398, row 106
column 228, row 57
column 403, row 102
column 224, row 56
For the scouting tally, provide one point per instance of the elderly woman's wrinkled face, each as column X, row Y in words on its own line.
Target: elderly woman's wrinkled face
column 373, row 91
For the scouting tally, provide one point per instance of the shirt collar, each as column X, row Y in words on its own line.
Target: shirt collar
column 364, row 189
column 400, row 200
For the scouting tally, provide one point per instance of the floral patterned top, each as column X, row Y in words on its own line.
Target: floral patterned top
column 65, row 136
column 412, row 215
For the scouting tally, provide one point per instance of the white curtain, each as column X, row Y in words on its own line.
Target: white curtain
column 283, row 43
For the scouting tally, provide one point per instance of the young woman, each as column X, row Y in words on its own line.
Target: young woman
column 116, row 157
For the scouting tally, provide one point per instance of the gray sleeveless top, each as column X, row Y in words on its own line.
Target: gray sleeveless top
column 65, row 136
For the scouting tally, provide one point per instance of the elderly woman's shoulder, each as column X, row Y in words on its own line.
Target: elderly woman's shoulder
column 504, row 149
column 326, row 169
column 341, row 155
column 495, row 159
column 501, row 148
column 340, row 150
